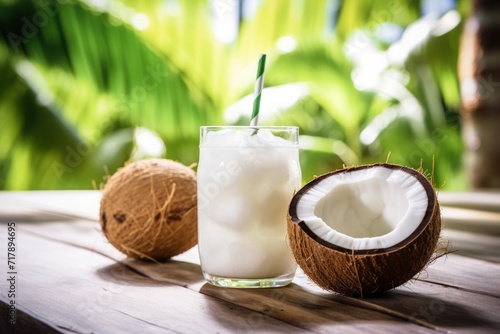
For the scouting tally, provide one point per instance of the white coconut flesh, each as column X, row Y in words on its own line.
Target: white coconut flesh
column 365, row 209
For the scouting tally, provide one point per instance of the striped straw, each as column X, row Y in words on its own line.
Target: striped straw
column 259, row 83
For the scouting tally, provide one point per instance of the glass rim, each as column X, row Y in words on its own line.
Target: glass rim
column 245, row 127
column 288, row 133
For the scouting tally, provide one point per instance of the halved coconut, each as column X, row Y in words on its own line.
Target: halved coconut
column 366, row 229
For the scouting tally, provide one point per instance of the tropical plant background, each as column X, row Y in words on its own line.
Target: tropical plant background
column 86, row 85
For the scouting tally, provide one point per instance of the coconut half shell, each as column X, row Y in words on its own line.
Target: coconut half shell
column 363, row 230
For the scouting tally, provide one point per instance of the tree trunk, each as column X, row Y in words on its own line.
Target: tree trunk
column 479, row 72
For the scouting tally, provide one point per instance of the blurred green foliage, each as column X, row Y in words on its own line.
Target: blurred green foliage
column 80, row 80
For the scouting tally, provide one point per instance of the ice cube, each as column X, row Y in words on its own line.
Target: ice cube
column 231, row 211
column 259, row 258
column 225, row 137
column 266, row 137
column 272, row 212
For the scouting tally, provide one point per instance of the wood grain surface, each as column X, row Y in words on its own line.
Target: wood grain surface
column 71, row 280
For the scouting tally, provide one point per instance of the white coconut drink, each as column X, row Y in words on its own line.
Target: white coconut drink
column 364, row 230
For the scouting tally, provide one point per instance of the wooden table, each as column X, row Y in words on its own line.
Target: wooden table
column 69, row 279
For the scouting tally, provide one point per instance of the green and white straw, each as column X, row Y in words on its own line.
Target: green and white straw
column 257, row 92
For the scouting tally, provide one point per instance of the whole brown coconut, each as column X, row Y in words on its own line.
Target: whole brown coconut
column 368, row 271
column 148, row 209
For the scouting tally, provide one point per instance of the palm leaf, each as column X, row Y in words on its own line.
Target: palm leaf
column 98, row 76
column 116, row 62
column 354, row 15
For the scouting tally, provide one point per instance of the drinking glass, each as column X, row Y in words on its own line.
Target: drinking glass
column 246, row 176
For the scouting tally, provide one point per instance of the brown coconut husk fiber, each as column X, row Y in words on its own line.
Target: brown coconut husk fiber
column 363, row 273
column 148, row 209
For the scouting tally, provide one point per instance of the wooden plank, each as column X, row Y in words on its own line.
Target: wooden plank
column 290, row 305
column 441, row 299
column 301, row 308
column 459, row 294
column 463, row 272
column 431, row 307
column 446, row 307
column 25, row 323
column 188, row 274
column 464, row 215
column 455, row 294
column 72, row 204
column 475, row 245
column 77, row 290
column 477, row 221
column 479, row 200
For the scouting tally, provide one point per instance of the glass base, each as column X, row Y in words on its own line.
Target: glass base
column 249, row 283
